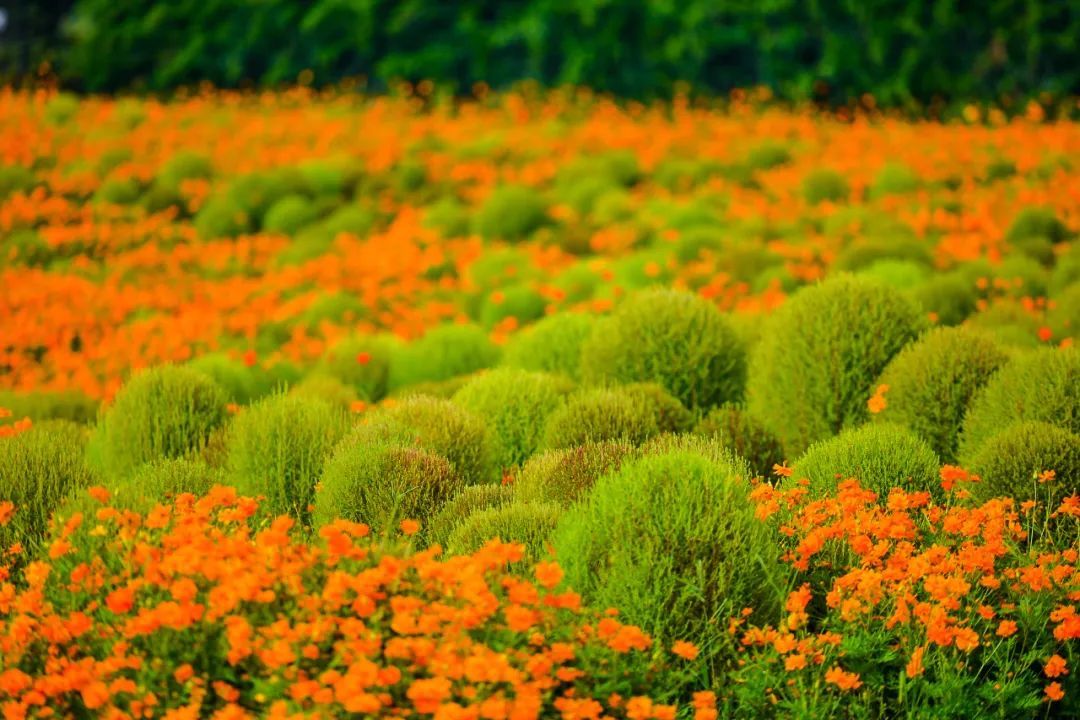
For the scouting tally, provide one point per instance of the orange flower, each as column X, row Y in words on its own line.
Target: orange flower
column 966, row 639
column 1055, row 667
column 796, row 661
column 410, row 527
column 781, row 470
column 915, row 663
column 548, row 574
column 685, row 650
column 1006, row 628
column 1054, row 692
column 843, row 679
column 7, row 510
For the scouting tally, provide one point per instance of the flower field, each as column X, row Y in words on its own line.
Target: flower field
column 536, row 405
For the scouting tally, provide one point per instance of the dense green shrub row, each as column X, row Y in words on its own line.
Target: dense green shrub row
column 897, row 51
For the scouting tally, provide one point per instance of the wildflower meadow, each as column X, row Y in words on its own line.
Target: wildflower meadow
column 441, row 398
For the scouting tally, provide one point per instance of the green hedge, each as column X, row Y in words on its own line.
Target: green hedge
column 899, row 50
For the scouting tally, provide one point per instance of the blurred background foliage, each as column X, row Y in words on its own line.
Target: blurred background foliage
column 903, row 52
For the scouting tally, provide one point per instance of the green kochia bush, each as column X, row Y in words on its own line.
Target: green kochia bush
column 674, row 338
column 278, row 447
column 238, row 381
column 670, row 414
column 880, row 456
column 813, row 369
column 1037, row 222
column 825, row 185
column 530, row 524
column 564, row 476
column 515, row 403
column 1009, row 464
column 745, row 435
column 442, row 353
column 1040, row 385
column 511, row 212
column 48, row 405
column 363, row 363
column 328, row 388
column 671, row 541
column 381, row 485
column 932, row 381
column 551, row 345
column 468, row 500
column 164, row 412
column 600, row 414
column 38, row 469
column 437, row 425
column 521, row 301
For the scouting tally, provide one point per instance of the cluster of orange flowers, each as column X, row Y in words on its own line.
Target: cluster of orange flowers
column 926, row 579
column 199, row 609
column 135, row 288
column 20, row 425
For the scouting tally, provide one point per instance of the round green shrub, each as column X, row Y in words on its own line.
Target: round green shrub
column 696, row 241
column 1064, row 315
column 900, row 274
column 61, row 108
column 440, row 389
column 160, row 480
column 825, row 185
column 564, row 476
column 185, row 165
column 118, row 191
column 516, row 404
column 444, row 352
column 381, row 485
column 551, row 345
column 278, row 447
column 448, row 216
column 354, row 220
column 465, row 502
column 894, row 179
column 670, row 414
column 529, row 524
column 1010, row 462
column 949, row 297
column 1037, row 222
column 600, row 414
column 363, row 363
column 863, row 253
column 674, row 338
column 16, row 179
column 766, row 156
column 511, row 212
column 337, row 308
column 522, row 302
column 39, row 405
column 672, row 542
column 1066, row 271
column 239, row 382
column 932, row 381
column 289, row 214
column 163, row 412
column 39, row 467
column 1024, row 275
column 500, row 267
column 882, row 456
column 813, row 369
column 1040, row 385
column 437, row 425
column 220, row 217
column 745, row 435
column 328, row 389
